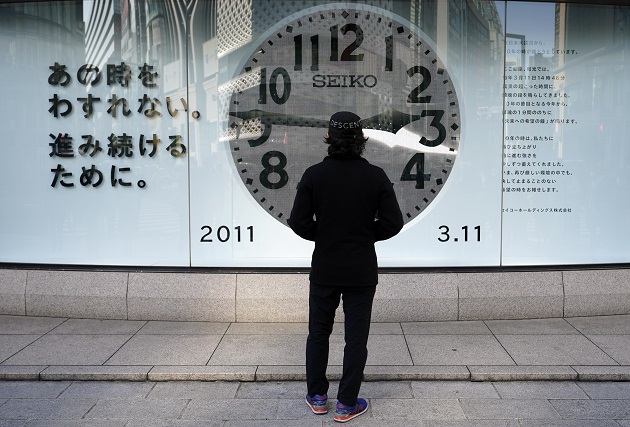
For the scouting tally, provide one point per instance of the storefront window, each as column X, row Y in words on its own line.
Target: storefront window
column 144, row 132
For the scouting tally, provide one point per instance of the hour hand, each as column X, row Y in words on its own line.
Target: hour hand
column 390, row 120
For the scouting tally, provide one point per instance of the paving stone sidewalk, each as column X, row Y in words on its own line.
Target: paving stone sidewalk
column 66, row 349
column 278, row 404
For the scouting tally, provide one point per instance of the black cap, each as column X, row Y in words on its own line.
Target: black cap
column 344, row 123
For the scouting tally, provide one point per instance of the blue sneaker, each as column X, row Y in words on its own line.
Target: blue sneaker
column 317, row 403
column 345, row 413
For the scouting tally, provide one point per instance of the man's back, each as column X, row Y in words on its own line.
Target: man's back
column 346, row 196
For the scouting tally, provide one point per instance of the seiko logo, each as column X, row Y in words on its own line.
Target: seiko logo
column 344, row 80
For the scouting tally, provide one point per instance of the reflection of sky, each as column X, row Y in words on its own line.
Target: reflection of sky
column 534, row 20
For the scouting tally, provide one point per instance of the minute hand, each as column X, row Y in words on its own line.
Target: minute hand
column 390, row 120
column 268, row 118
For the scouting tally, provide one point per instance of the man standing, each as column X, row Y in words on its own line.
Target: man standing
column 344, row 204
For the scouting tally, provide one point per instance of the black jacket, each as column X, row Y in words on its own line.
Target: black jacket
column 345, row 205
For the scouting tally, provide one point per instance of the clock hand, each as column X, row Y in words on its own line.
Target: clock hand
column 280, row 119
column 390, row 120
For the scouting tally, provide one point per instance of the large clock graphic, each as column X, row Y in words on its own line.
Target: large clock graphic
column 343, row 57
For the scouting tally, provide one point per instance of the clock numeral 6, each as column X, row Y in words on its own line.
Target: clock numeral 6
column 277, row 169
column 273, row 86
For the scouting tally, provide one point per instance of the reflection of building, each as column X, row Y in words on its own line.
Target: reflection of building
column 58, row 28
column 102, row 32
column 469, row 32
column 593, row 45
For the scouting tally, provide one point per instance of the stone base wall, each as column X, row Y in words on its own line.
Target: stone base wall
column 283, row 297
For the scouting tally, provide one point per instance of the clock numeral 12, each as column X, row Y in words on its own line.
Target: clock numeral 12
column 346, row 55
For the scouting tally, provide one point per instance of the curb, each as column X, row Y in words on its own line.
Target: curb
column 297, row 373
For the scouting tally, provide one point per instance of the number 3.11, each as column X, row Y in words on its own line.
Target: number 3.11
column 446, row 234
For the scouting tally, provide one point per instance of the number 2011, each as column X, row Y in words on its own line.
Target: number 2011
column 224, row 234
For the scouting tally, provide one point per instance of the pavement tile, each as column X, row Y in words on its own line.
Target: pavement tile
column 98, row 327
column 194, row 390
column 12, row 423
column 63, row 350
column 314, row 422
column 553, row 350
column 468, row 327
column 616, row 346
column 602, row 325
column 372, row 422
column 62, row 409
column 380, row 328
column 296, row 409
column 202, row 373
column 508, row 409
column 383, row 350
column 166, row 350
column 270, row 350
column 107, row 389
column 416, row 409
column 457, row 350
column 28, row 325
column 275, row 389
column 452, row 390
column 76, row 423
column 11, row 344
column 32, row 390
column 531, row 327
column 569, row 423
column 472, row 423
column 592, row 409
column 268, row 329
column 522, row 373
column 137, row 409
column 606, row 390
column 183, row 328
column 95, row 373
column 224, row 409
column 539, row 390
column 174, row 423
column 386, row 390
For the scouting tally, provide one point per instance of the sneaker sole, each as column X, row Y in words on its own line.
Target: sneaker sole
column 350, row 417
column 316, row 411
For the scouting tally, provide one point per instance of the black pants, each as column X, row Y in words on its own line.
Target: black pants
column 357, row 308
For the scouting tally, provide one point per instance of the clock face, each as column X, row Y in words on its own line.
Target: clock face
column 330, row 59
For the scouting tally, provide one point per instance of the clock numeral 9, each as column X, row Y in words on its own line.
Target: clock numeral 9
column 273, row 86
column 277, row 169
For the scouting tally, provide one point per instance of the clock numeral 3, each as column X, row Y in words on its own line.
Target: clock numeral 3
column 436, row 123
